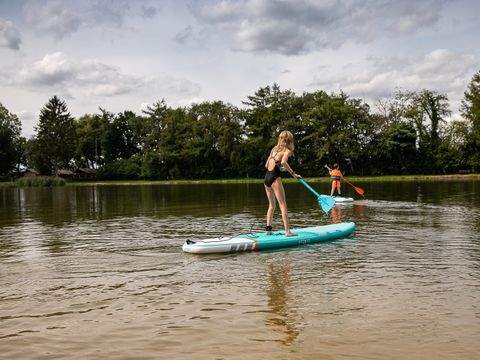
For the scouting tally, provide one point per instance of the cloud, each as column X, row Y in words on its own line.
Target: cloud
column 148, row 12
column 183, row 36
column 403, row 17
column 9, row 35
column 91, row 77
column 56, row 71
column 52, row 16
column 296, row 27
column 440, row 70
column 107, row 12
column 190, row 101
column 28, row 120
column 170, row 85
column 60, row 18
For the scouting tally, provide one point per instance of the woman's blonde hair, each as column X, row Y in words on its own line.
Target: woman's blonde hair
column 285, row 141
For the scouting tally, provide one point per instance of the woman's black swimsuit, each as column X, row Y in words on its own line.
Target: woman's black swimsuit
column 274, row 174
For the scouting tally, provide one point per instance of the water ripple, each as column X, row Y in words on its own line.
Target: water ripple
column 111, row 279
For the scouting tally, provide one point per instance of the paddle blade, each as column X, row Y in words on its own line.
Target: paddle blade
column 359, row 190
column 356, row 188
column 326, row 202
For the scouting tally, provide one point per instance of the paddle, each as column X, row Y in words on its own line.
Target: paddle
column 326, row 202
column 356, row 188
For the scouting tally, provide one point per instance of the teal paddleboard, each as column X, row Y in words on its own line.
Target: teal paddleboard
column 264, row 241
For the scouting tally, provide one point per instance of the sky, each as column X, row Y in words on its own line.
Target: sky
column 125, row 55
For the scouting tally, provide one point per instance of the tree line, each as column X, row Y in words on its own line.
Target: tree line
column 405, row 134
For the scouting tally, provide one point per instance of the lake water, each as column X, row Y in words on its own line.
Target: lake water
column 98, row 272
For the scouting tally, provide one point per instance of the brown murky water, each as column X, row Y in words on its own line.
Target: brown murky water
column 98, row 272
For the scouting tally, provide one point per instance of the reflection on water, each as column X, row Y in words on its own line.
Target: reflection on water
column 98, row 272
column 278, row 300
column 58, row 205
column 358, row 210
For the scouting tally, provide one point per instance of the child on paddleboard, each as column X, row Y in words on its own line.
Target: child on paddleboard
column 336, row 176
column 278, row 161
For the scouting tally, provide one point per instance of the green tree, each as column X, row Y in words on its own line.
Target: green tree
column 167, row 153
column 56, row 137
column 393, row 110
column 453, row 151
column 89, row 132
column 434, row 108
column 393, row 151
column 10, row 141
column 154, row 125
column 119, row 139
column 36, row 158
column 470, row 109
column 336, row 128
column 427, row 111
column 111, row 142
column 177, row 154
column 269, row 111
column 121, row 169
column 150, row 129
column 216, row 137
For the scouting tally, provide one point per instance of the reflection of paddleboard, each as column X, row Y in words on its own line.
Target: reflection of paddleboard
column 341, row 199
column 263, row 241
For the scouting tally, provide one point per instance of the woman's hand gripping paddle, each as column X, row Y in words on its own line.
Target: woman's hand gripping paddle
column 326, row 202
column 356, row 188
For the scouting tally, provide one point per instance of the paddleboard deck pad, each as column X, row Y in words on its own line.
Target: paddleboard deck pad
column 264, row 241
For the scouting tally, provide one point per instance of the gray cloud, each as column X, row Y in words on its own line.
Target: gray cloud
column 9, row 35
column 52, row 17
column 148, row 11
column 93, row 78
column 53, row 70
column 183, row 36
column 107, row 12
column 295, row 27
column 182, row 87
column 56, row 71
column 439, row 70
column 60, row 18
column 402, row 17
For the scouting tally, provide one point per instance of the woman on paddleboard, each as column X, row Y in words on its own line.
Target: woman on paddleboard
column 278, row 161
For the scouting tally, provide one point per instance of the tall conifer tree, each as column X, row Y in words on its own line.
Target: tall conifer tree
column 55, row 135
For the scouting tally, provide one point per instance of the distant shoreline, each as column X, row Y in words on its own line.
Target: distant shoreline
column 366, row 179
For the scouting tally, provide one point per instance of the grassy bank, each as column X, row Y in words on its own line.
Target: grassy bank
column 364, row 179
column 412, row 178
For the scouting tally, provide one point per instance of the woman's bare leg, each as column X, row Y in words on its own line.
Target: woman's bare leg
column 277, row 187
column 271, row 204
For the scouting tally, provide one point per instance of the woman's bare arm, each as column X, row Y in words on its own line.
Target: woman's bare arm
column 285, row 164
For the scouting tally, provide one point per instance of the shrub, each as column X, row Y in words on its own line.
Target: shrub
column 123, row 169
column 40, row 181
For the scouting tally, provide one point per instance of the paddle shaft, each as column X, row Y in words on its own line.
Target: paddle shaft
column 309, row 187
column 357, row 189
column 326, row 202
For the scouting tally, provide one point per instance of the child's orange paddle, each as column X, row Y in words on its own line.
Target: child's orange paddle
column 357, row 189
